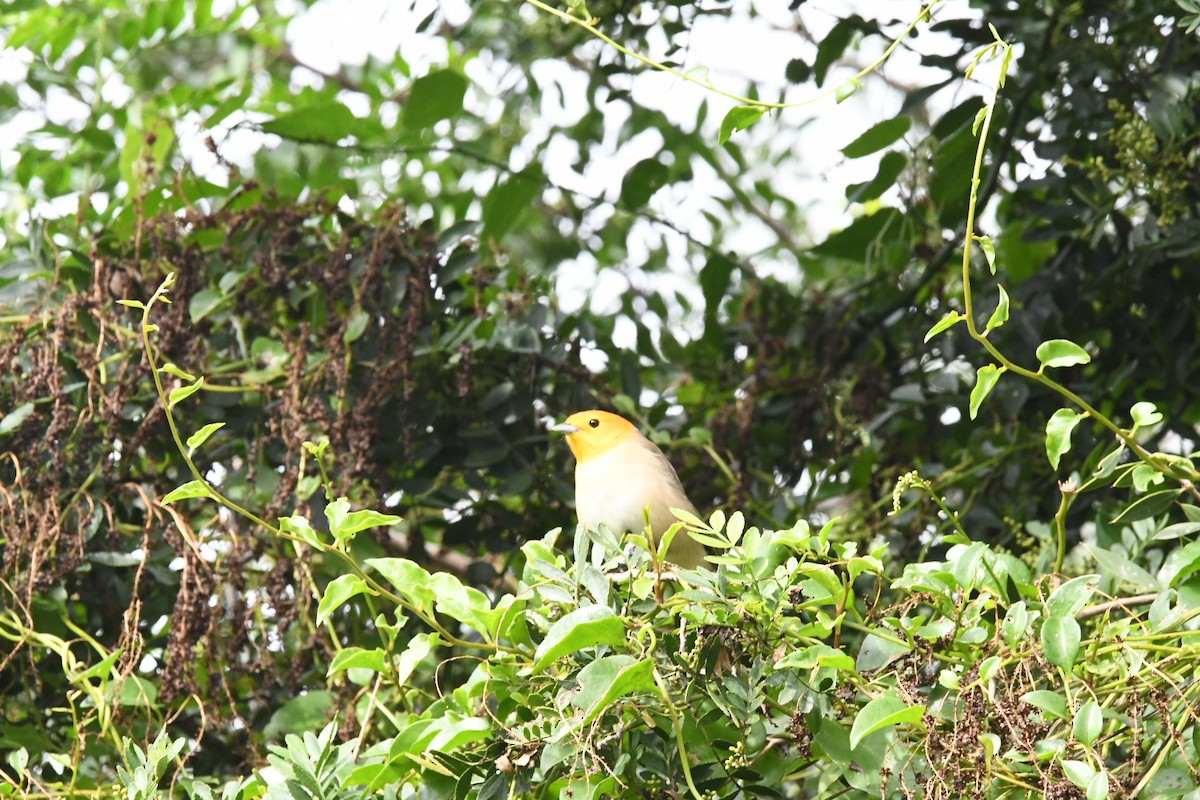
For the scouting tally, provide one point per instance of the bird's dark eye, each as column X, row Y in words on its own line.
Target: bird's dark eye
column 595, row 423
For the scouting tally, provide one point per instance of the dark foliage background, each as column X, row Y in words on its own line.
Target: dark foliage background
column 389, row 280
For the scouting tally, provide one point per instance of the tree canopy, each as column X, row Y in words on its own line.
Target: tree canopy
column 279, row 342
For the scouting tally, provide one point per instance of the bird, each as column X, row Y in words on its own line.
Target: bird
column 621, row 478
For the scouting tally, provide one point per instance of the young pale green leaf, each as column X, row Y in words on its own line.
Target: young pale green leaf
column 201, row 436
column 358, row 658
column 1145, row 414
column 132, row 304
column 606, row 679
column 1089, row 721
column 1097, row 788
column 1000, row 315
column 13, row 419
column 989, row 253
column 985, row 381
column 300, row 527
column 1058, row 434
column 1148, row 505
column 171, row 369
column 980, row 116
column 1052, row 704
column 877, row 137
column 182, row 393
column 418, row 647
column 189, row 489
column 885, row 711
column 814, row 656
column 585, row 627
column 1182, row 563
column 465, row 603
column 1060, row 641
column 1070, row 598
column 1061, row 353
column 738, row 118
column 355, row 327
column 337, row 592
column 1015, row 627
column 408, row 578
column 1120, row 566
column 355, row 521
column 847, row 90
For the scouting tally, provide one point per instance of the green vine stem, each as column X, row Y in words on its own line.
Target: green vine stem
column 1038, row 376
column 589, row 24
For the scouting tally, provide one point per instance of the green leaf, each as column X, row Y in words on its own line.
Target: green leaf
column 201, row 436
column 182, row 393
column 306, row 712
column 855, row 240
column 337, row 592
column 328, row 121
column 171, row 369
column 1089, row 721
column 466, row 604
column 1119, row 566
column 1061, row 353
column 433, row 98
column 817, row 655
column 300, row 527
column 847, row 90
column 585, row 627
column 204, row 302
column 985, row 381
column 358, row 658
column 738, row 118
column 1000, row 315
column 355, row 326
column 606, row 679
column 1070, row 598
column 1060, row 640
column 188, row 490
column 407, row 578
column 946, row 322
column 641, row 182
column 352, row 523
column 1052, row 704
column 13, row 419
column 507, row 199
column 418, row 647
column 832, row 45
column 715, row 276
column 1145, row 414
column 1058, row 434
column 1078, row 772
column 877, row 137
column 1148, row 505
column 885, row 711
column 1015, row 627
column 891, row 167
column 1181, row 564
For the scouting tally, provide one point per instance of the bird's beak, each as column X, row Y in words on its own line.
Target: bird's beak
column 564, row 428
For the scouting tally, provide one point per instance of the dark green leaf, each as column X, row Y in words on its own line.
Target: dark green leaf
column 877, row 137
column 433, row 98
column 327, row 122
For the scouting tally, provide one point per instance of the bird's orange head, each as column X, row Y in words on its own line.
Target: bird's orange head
column 594, row 433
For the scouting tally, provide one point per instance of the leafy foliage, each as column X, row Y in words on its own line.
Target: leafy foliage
column 352, row 290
